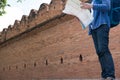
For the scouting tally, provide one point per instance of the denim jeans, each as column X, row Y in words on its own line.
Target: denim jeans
column 101, row 41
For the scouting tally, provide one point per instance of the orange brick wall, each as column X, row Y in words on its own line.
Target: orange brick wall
column 52, row 49
column 35, row 17
column 24, row 58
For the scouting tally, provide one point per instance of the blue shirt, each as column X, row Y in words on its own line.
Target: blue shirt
column 101, row 9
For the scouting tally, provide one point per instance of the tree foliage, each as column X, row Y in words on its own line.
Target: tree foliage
column 3, row 4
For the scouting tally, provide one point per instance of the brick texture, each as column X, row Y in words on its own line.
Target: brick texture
column 55, row 48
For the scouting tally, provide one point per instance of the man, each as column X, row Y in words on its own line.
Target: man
column 99, row 29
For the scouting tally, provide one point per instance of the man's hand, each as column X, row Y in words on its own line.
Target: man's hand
column 86, row 5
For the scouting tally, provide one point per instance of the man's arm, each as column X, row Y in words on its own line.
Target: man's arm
column 104, row 6
column 86, row 5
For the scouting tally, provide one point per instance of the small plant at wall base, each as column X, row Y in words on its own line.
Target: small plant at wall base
column 3, row 4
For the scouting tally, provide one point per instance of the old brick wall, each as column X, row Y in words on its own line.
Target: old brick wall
column 35, row 17
column 24, row 58
column 51, row 49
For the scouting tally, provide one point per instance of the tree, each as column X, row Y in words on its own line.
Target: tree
column 3, row 4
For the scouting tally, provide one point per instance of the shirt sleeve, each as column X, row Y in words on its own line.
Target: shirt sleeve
column 104, row 6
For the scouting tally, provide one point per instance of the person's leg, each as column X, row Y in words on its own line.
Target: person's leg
column 104, row 54
column 95, row 40
column 101, row 40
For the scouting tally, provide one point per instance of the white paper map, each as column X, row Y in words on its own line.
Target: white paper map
column 73, row 7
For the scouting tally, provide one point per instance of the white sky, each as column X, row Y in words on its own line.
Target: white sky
column 17, row 10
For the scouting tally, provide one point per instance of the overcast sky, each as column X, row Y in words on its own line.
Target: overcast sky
column 17, row 10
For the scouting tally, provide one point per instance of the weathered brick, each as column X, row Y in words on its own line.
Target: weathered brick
column 36, row 53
